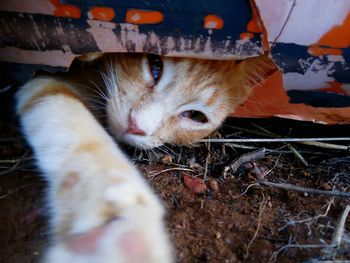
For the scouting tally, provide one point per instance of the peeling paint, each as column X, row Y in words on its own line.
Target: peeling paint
column 104, row 36
column 334, row 58
column 305, row 63
column 35, row 7
column 129, row 39
column 316, row 77
column 307, row 22
column 55, row 58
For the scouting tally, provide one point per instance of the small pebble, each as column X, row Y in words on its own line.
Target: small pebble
column 196, row 185
column 167, row 159
column 213, row 185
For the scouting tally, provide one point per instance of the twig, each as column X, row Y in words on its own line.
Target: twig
column 206, row 162
column 278, row 139
column 269, row 133
column 310, row 220
column 339, row 230
column 284, row 24
column 15, row 160
column 256, row 132
column 258, row 154
column 172, row 169
column 244, row 192
column 297, row 154
column 308, row 246
column 265, row 132
column 261, row 210
column 327, row 145
column 241, row 146
column 305, row 189
column 15, row 166
column 8, row 87
column 11, row 192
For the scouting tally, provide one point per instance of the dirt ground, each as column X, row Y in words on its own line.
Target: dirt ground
column 214, row 213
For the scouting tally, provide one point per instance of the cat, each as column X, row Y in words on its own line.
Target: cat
column 101, row 208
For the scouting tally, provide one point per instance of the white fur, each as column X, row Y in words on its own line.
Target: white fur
column 150, row 118
column 56, row 127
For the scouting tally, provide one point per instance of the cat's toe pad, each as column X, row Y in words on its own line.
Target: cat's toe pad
column 130, row 244
column 119, row 221
column 115, row 242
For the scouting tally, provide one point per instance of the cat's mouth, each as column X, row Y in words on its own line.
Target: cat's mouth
column 141, row 141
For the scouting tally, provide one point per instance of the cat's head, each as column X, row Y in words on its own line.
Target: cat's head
column 155, row 100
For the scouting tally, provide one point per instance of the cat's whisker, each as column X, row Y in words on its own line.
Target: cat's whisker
column 173, row 153
column 163, row 150
column 95, row 99
column 101, row 98
column 134, row 154
column 99, row 91
column 109, row 78
column 96, row 104
column 153, row 150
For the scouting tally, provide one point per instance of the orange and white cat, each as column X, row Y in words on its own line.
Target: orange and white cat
column 102, row 209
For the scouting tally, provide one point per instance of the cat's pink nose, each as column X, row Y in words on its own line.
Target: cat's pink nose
column 133, row 128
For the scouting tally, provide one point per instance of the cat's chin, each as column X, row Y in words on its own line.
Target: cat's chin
column 142, row 142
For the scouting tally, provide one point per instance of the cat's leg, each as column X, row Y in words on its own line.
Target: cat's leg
column 101, row 208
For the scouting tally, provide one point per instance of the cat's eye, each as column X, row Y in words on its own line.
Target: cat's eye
column 195, row 115
column 156, row 66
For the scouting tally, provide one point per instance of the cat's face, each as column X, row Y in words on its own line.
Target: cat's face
column 155, row 100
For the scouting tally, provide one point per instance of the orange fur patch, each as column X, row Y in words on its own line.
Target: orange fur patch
column 90, row 146
column 108, row 211
column 212, row 99
column 50, row 90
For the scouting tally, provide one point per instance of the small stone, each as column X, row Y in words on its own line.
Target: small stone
column 196, row 185
column 269, row 203
column 217, row 235
column 167, row 159
column 213, row 185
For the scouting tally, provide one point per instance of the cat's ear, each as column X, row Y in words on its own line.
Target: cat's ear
column 255, row 70
column 89, row 57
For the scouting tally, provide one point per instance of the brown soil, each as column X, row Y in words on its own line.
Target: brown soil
column 212, row 220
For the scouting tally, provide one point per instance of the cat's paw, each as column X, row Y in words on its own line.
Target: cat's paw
column 112, row 219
